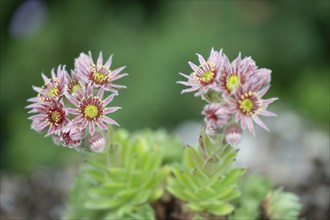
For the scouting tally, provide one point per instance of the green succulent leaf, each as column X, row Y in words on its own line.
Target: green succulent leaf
column 281, row 205
column 121, row 181
column 206, row 180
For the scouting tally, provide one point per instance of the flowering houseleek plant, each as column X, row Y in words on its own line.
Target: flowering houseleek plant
column 148, row 175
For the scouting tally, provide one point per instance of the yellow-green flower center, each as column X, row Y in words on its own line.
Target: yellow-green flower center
column 99, row 77
column 207, row 77
column 75, row 87
column 232, row 82
column 53, row 92
column 56, row 116
column 91, row 111
column 247, row 105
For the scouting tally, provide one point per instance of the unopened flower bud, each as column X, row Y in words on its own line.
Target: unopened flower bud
column 216, row 117
column 96, row 142
column 233, row 134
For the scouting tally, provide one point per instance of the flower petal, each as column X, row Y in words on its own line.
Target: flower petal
column 118, row 70
column 259, row 122
column 77, row 120
column 109, row 120
column 91, row 125
column 193, row 66
column 267, row 113
column 109, row 61
column 99, row 59
column 110, row 110
column 73, row 111
column 250, row 126
column 108, row 99
column 100, row 93
column 101, row 125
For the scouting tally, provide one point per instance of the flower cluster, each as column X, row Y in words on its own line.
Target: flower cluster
column 72, row 107
column 234, row 92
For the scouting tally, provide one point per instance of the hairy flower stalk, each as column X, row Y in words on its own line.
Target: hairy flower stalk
column 69, row 103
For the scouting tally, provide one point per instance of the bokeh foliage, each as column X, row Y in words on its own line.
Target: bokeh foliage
column 155, row 40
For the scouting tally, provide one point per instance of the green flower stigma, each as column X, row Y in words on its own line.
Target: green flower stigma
column 99, row 77
column 91, row 111
column 207, row 77
column 55, row 116
column 75, row 88
column 246, row 105
column 232, row 82
column 53, row 92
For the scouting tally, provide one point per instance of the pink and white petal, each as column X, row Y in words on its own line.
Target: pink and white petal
column 266, row 113
column 268, row 101
column 263, row 91
column 250, row 126
column 109, row 62
column 186, row 76
column 34, row 105
column 100, row 93
column 109, row 120
column 83, row 125
column 118, row 70
column 193, row 66
column 117, row 86
column 38, row 117
column 237, row 62
column 45, row 78
column 89, row 90
column 115, row 77
column 65, row 122
column 192, row 89
column 73, row 111
column 83, row 67
column 73, row 100
column 108, row 99
column 110, row 89
column 33, row 99
column 79, row 94
column 257, row 120
column 37, row 89
column 91, row 126
column 50, row 130
column 199, row 92
column 40, row 126
column 201, row 59
column 185, row 83
column 101, row 125
column 99, row 59
column 77, row 120
column 243, row 121
column 110, row 110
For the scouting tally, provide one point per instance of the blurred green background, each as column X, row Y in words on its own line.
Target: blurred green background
column 155, row 39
